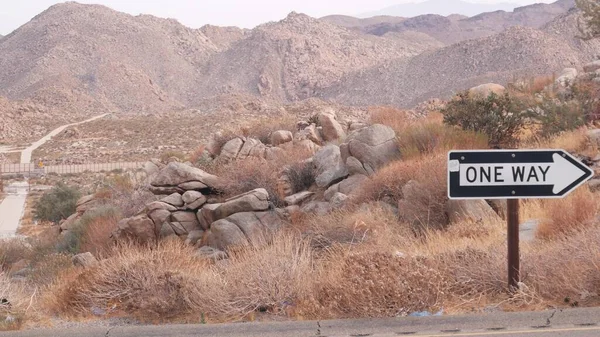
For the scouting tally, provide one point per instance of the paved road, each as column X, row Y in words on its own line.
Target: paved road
column 12, row 208
column 574, row 322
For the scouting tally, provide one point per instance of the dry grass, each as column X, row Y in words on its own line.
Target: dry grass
column 574, row 212
column 251, row 173
column 168, row 283
column 96, row 237
column 12, row 316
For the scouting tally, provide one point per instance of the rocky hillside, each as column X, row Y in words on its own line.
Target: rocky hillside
column 77, row 60
column 72, row 54
column 456, row 28
column 517, row 52
column 299, row 55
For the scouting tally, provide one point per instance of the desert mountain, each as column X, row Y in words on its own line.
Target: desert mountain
column 440, row 7
column 456, row 28
column 515, row 53
column 79, row 60
column 293, row 58
column 72, row 54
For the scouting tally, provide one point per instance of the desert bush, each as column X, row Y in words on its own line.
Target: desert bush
column 169, row 283
column 244, row 175
column 13, row 250
column 425, row 207
column 394, row 118
column 499, row 117
column 91, row 233
column 428, row 137
column 13, row 311
column 587, row 95
column 57, row 204
column 374, row 284
column 578, row 209
column 301, row 176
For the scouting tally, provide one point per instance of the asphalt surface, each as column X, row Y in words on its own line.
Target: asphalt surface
column 572, row 322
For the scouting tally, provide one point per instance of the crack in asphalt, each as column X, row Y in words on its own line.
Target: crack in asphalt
column 549, row 318
column 109, row 330
column 318, row 328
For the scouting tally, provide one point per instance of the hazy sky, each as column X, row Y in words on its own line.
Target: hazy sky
column 196, row 13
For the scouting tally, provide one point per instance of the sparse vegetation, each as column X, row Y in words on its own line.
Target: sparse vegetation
column 56, row 204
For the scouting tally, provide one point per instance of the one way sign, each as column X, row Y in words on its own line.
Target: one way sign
column 514, row 174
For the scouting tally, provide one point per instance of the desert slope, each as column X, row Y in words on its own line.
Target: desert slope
column 517, row 52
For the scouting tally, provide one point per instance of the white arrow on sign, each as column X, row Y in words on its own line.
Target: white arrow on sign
column 560, row 174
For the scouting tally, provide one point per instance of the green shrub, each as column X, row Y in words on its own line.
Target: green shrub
column 555, row 117
column 57, row 204
column 499, row 117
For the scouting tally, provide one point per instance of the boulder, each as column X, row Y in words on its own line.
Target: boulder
column 298, row 198
column 255, row 200
column 159, row 216
column 373, row 147
column 499, row 206
column 191, row 196
column 230, row 150
column 139, row 228
column 594, row 136
column 192, row 186
column 592, row 67
column 211, row 253
column 485, row 90
column 346, row 186
column 193, row 237
column 594, row 185
column 160, row 205
column 188, row 220
column 206, row 215
column 173, row 199
column 70, row 222
column 84, row 260
column 566, row 77
column 329, row 166
column 224, row 233
column 85, row 203
column 309, row 133
column 244, row 228
column 469, row 211
column 332, row 130
column 252, row 148
column 317, row 207
column 338, row 200
column 166, row 230
column 165, row 190
column 307, row 145
column 151, row 168
column 281, row 137
column 355, row 167
column 175, row 174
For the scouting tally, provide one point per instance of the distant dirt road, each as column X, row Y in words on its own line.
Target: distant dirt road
column 13, row 205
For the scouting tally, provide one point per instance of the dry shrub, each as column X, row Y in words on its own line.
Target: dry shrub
column 12, row 314
column 244, row 175
column 301, row 176
column 270, row 278
column 425, row 204
column 574, row 141
column 395, row 118
column 428, row 137
column 167, row 155
column 578, row 209
column 566, row 271
column 374, row 284
column 372, row 223
column 13, row 250
column 169, row 283
column 262, row 129
column 96, row 237
column 148, row 283
column 46, row 269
